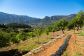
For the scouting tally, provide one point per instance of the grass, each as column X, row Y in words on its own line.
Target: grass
column 77, row 54
column 65, row 53
column 81, row 33
column 32, row 43
column 76, row 48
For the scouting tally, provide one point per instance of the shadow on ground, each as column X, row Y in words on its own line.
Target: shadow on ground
column 13, row 52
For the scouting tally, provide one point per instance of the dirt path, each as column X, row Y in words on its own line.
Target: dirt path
column 74, row 48
column 51, row 49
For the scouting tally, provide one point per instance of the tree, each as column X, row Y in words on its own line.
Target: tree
column 77, row 22
column 61, row 25
column 20, row 36
column 31, row 34
column 38, row 32
column 16, row 39
column 5, row 39
column 72, row 24
column 47, row 31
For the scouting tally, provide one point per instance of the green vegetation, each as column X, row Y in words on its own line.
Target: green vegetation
column 77, row 22
column 32, row 43
column 15, row 33
column 81, row 33
column 61, row 25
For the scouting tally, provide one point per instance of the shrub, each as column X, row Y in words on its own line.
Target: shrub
column 5, row 39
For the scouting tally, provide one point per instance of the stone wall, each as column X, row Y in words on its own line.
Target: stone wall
column 43, row 47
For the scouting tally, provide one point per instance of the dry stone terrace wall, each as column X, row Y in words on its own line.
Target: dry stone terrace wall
column 43, row 47
column 63, row 47
column 17, row 52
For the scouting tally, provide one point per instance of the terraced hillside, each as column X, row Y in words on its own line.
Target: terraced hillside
column 76, row 45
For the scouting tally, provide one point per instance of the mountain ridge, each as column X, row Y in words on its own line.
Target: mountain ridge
column 6, row 18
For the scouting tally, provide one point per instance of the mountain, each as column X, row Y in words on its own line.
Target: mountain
column 12, row 18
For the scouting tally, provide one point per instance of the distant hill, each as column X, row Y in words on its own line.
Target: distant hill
column 12, row 18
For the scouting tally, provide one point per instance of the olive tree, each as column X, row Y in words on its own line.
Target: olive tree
column 61, row 25
column 38, row 32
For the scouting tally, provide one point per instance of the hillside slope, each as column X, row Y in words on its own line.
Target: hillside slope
column 12, row 18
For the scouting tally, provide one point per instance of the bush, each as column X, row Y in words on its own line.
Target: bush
column 31, row 34
column 17, row 38
column 22, row 36
column 5, row 39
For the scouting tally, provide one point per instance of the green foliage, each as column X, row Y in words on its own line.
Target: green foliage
column 19, row 37
column 16, row 25
column 50, row 28
column 71, row 24
column 81, row 33
column 78, row 21
column 38, row 31
column 62, row 24
column 47, row 31
column 19, row 32
column 59, row 25
column 31, row 34
column 5, row 39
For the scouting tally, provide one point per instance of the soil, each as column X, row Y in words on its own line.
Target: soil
column 50, row 49
column 75, row 47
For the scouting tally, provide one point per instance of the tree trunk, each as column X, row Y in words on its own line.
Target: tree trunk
column 38, row 39
column 74, row 30
column 53, row 34
column 77, row 28
column 62, row 31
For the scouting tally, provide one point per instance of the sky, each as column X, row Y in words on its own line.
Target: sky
column 41, row 8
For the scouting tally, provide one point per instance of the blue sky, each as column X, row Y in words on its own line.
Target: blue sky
column 41, row 8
